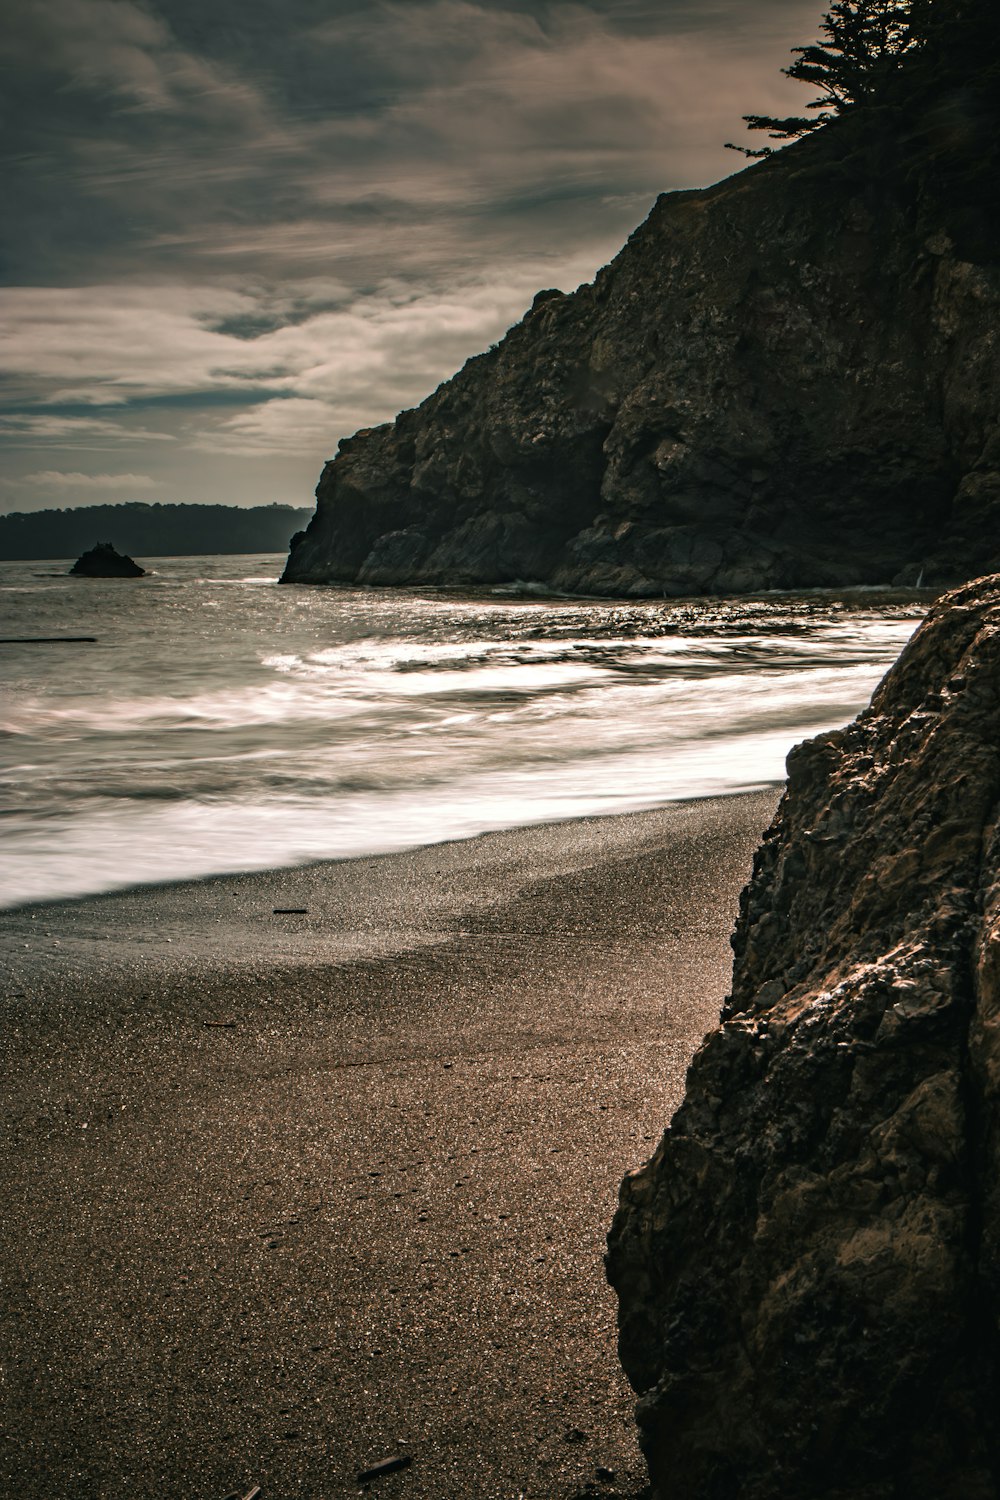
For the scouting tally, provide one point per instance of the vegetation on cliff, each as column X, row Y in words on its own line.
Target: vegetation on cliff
column 865, row 43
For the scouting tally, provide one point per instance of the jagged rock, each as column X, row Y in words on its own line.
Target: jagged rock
column 808, row 1269
column 102, row 561
column 787, row 380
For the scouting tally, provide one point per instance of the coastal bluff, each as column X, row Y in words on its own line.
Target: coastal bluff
column 808, row 1268
column 787, row 380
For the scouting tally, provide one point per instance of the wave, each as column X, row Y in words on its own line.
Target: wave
column 291, row 725
column 103, row 848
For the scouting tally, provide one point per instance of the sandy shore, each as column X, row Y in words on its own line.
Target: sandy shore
column 285, row 1195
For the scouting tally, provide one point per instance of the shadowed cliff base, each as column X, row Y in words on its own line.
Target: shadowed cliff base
column 783, row 381
column 808, row 1269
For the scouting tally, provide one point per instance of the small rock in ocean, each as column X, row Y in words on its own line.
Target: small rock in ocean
column 102, row 561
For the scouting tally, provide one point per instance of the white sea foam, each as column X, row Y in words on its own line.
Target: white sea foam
column 222, row 725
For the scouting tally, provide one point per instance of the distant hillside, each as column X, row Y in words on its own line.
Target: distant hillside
column 150, row 530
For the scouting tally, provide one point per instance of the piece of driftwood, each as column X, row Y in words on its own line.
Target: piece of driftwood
column 385, row 1466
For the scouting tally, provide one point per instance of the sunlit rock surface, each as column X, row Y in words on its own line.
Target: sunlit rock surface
column 786, row 380
column 808, row 1270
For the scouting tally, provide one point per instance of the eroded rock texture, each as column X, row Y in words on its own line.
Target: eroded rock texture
column 786, row 380
column 808, row 1269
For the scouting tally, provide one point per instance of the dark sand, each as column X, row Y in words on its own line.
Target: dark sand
column 365, row 1216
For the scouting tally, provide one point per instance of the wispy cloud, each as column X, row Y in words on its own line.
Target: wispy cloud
column 53, row 479
column 54, row 430
column 311, row 378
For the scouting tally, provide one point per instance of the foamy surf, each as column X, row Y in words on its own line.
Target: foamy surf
column 219, row 724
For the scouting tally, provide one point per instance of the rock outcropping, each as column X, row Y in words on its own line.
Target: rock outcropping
column 103, row 561
column 783, row 381
column 808, row 1269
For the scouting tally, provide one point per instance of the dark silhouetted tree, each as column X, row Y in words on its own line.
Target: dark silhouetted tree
column 959, row 42
column 864, row 42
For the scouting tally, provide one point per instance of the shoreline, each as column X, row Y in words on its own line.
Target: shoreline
column 294, row 1193
column 194, row 907
column 546, row 826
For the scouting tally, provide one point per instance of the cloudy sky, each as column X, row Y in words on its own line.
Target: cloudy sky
column 237, row 230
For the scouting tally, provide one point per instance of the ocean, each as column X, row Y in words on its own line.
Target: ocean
column 220, row 723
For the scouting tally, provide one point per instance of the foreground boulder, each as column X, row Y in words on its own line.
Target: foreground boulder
column 102, row 561
column 808, row 1269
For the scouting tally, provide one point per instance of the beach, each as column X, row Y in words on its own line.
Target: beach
column 290, row 1192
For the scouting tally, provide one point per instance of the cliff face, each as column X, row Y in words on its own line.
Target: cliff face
column 808, row 1269
column 787, row 380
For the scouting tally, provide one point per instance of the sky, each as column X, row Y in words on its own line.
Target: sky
column 235, row 231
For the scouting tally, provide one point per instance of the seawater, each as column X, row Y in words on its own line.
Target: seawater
column 221, row 723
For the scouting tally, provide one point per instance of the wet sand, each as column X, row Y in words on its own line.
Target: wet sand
column 289, row 1194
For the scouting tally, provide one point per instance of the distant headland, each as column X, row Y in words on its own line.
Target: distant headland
column 150, row 530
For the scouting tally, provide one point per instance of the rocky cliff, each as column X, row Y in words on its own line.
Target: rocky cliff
column 786, row 380
column 808, row 1269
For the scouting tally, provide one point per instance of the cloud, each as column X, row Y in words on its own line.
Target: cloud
column 359, row 365
column 53, row 479
column 302, row 366
column 393, row 133
column 127, row 52
column 54, row 430
column 106, row 345
column 293, row 426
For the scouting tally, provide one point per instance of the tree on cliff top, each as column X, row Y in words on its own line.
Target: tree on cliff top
column 864, row 42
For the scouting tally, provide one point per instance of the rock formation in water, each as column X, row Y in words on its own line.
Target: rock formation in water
column 786, row 380
column 102, row 561
column 808, row 1269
